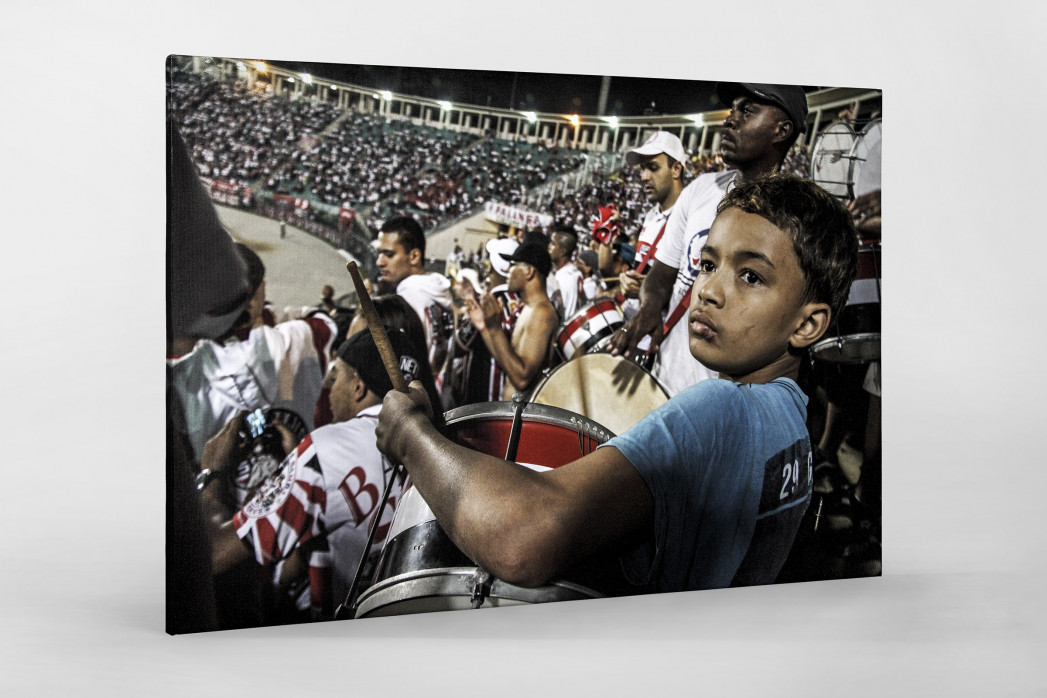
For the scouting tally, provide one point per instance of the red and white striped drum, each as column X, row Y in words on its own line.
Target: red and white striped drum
column 421, row 570
column 856, row 337
column 610, row 390
column 589, row 330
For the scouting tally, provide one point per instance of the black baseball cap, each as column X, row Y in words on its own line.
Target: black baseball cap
column 360, row 352
column 791, row 98
column 534, row 254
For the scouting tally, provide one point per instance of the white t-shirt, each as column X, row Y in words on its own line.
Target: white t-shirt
column 590, row 287
column 680, row 247
column 422, row 292
column 646, row 244
column 569, row 283
column 653, row 221
column 280, row 366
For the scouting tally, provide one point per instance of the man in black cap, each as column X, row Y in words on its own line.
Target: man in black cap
column 763, row 124
column 323, row 497
column 522, row 356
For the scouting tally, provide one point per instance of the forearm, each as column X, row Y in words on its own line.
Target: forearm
column 217, row 503
column 227, row 550
column 657, row 288
column 495, row 511
column 516, row 369
column 523, row 526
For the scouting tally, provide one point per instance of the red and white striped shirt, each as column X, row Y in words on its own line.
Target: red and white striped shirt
column 323, row 498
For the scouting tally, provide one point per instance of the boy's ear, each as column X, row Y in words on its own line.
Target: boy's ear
column 815, row 318
column 415, row 256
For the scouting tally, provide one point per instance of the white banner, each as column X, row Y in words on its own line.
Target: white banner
column 516, row 217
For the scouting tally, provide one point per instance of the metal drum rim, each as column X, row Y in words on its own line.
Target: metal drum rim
column 376, row 597
column 532, row 412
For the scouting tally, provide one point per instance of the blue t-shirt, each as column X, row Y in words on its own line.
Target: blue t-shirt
column 729, row 466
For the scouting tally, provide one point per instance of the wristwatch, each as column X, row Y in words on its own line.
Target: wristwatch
column 204, row 478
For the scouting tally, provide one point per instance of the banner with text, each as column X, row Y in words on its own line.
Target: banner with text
column 516, row 217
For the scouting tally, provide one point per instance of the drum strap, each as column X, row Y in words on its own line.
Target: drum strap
column 620, row 298
column 654, row 247
column 678, row 312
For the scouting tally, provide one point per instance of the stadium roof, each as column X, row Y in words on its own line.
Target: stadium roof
column 538, row 92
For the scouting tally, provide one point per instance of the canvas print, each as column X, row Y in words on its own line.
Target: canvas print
column 462, row 339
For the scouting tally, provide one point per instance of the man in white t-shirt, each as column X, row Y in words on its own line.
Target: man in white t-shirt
column 252, row 366
column 661, row 161
column 401, row 261
column 567, row 291
column 764, row 122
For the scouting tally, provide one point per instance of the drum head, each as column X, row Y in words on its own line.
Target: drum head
column 867, row 158
column 552, row 437
column 832, row 160
column 608, row 389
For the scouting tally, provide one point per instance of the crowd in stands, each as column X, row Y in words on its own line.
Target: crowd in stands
column 312, row 149
column 241, row 136
column 363, row 161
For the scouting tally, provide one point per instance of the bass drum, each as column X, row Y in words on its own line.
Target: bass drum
column 831, row 164
column 841, row 157
column 611, row 390
column 421, row 570
column 867, row 155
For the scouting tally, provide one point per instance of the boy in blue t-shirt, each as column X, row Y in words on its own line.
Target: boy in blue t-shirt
column 707, row 490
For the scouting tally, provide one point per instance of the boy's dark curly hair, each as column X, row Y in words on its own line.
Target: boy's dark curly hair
column 821, row 229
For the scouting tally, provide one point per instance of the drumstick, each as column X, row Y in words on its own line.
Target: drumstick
column 374, row 323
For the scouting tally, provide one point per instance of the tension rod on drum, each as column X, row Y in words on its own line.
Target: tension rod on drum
column 482, row 581
column 517, row 427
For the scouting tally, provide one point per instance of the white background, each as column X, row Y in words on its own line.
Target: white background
column 960, row 608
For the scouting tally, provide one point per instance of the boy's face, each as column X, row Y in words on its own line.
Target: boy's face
column 746, row 306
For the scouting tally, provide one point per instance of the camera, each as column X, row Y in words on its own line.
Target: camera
column 261, row 446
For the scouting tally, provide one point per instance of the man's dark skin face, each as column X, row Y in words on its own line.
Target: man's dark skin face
column 751, row 131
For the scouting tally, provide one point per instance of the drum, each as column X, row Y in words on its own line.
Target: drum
column 589, row 330
column 867, row 156
column 421, row 570
column 840, row 155
column 610, row 390
column 856, row 337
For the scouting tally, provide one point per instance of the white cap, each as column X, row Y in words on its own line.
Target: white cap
column 471, row 275
column 498, row 247
column 658, row 142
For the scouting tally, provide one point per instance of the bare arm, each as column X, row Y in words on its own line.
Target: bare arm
column 227, row 550
column 522, row 526
column 866, row 212
column 522, row 362
column 655, row 292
